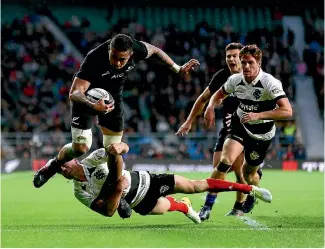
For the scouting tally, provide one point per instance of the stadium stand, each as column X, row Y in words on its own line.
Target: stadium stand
column 40, row 70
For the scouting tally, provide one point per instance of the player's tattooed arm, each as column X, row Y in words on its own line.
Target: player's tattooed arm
column 77, row 92
column 163, row 57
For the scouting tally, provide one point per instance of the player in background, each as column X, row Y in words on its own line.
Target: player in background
column 106, row 67
column 146, row 193
column 229, row 106
column 261, row 101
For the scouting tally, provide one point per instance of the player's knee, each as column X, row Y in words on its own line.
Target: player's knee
column 108, row 140
column 80, row 149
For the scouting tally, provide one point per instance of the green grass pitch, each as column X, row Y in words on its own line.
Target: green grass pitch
column 52, row 217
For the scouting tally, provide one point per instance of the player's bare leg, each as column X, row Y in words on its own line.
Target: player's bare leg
column 252, row 176
column 220, row 171
column 237, row 209
column 110, row 137
column 186, row 186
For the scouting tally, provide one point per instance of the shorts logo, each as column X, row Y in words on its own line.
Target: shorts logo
column 74, row 119
column 254, row 155
column 164, row 189
column 81, row 140
column 257, row 94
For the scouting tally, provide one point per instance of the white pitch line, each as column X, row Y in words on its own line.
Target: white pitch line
column 156, row 228
column 253, row 223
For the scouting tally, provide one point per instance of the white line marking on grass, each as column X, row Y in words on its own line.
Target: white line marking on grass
column 76, row 229
column 253, row 223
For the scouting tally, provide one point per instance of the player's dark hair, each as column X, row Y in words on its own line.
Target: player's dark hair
column 234, row 45
column 122, row 42
column 252, row 50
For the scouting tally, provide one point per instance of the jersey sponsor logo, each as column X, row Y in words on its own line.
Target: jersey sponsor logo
column 257, row 94
column 115, row 76
column 248, row 107
column 164, row 189
column 107, row 73
column 254, row 155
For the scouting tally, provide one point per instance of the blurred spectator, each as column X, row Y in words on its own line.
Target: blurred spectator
column 156, row 100
column 289, row 155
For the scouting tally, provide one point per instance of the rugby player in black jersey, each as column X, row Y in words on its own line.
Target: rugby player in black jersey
column 107, row 67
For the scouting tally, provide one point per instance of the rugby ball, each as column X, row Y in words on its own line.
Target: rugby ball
column 95, row 94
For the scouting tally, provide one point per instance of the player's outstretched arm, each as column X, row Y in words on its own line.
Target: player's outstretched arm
column 165, row 59
column 196, row 109
column 215, row 100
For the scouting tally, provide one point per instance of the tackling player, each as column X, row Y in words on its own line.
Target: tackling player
column 146, row 193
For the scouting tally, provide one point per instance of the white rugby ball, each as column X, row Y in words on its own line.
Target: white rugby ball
column 95, row 94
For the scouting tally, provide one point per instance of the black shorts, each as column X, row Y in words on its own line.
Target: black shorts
column 221, row 139
column 255, row 150
column 160, row 185
column 82, row 118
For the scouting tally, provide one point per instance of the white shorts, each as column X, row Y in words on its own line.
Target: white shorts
column 80, row 136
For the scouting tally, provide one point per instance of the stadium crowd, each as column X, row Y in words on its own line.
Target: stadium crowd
column 37, row 73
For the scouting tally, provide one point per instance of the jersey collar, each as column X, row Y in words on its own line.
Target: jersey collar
column 86, row 171
column 257, row 79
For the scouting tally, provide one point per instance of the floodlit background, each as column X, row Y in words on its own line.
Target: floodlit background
column 42, row 45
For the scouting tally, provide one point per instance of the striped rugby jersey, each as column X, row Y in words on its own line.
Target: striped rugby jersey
column 258, row 96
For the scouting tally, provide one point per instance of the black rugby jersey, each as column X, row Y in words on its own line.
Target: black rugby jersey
column 230, row 103
column 97, row 70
